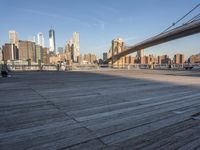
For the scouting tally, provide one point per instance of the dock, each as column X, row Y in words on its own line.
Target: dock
column 100, row 110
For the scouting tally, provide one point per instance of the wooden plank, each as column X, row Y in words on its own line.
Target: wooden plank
column 145, row 141
column 195, row 144
column 88, row 145
column 177, row 140
column 136, row 131
column 75, row 110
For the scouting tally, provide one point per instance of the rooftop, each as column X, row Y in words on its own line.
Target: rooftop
column 120, row 109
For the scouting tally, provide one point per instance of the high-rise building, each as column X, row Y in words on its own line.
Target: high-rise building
column 69, row 48
column 27, row 51
column 105, row 56
column 10, row 52
column 45, row 56
column 76, row 43
column 40, row 39
column 34, row 39
column 13, row 37
column 179, row 58
column 140, row 56
column 38, row 50
column 52, row 43
column 60, row 50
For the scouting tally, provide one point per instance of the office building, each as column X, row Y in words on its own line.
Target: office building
column 34, row 39
column 45, row 55
column 52, row 43
column 38, row 50
column 140, row 57
column 194, row 59
column 76, row 43
column 105, row 56
column 27, row 51
column 164, row 59
column 90, row 58
column 179, row 59
column 131, row 60
column 69, row 48
column 10, row 52
column 152, row 59
column 13, row 37
column 60, row 50
column 40, row 39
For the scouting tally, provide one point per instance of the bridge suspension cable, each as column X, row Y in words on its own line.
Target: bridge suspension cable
column 195, row 18
column 173, row 24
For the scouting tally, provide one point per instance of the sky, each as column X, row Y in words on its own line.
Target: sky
column 99, row 22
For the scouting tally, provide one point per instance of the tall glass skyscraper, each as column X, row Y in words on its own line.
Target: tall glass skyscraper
column 52, row 44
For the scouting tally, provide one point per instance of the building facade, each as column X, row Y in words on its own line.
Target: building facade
column 1, row 55
column 27, row 51
column 76, row 43
column 194, row 59
column 44, row 55
column 140, row 57
column 38, row 50
column 105, row 56
column 10, row 52
column 179, row 59
column 60, row 50
column 90, row 58
column 52, row 43
column 164, row 59
column 13, row 37
column 40, row 39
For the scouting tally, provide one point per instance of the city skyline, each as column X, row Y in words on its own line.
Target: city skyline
column 99, row 23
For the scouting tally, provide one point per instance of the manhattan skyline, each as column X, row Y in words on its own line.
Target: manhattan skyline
column 98, row 22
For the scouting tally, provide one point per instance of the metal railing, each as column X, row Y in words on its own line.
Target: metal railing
column 78, row 67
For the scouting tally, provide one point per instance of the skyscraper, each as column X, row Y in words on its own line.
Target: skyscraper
column 13, row 37
column 40, row 39
column 105, row 56
column 76, row 44
column 52, row 44
column 34, row 39
column 140, row 56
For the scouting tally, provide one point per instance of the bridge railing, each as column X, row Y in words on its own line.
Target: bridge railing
column 32, row 67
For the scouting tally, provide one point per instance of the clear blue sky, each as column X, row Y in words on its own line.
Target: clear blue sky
column 98, row 22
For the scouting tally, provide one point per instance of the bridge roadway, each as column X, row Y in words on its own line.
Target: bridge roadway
column 103, row 110
column 179, row 32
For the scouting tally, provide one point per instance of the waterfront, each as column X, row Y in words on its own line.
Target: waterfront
column 110, row 109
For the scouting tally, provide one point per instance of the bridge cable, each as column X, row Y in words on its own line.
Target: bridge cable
column 195, row 18
column 173, row 24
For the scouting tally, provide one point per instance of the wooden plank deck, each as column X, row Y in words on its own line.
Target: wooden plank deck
column 100, row 110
